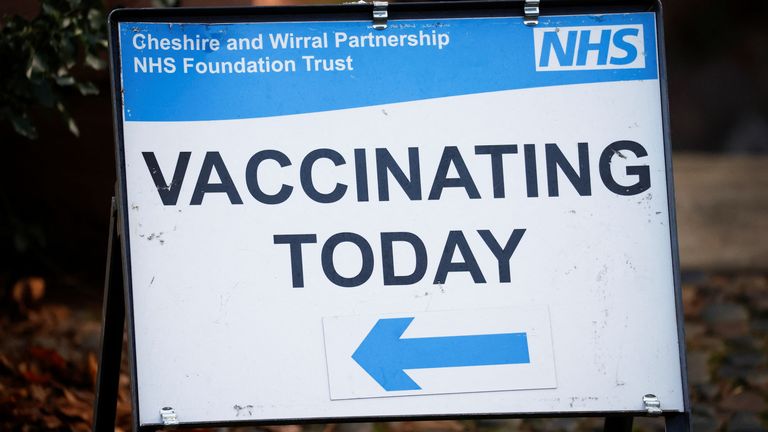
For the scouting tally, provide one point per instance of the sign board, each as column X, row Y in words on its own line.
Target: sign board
column 457, row 215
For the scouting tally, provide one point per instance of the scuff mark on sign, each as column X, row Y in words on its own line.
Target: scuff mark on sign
column 243, row 409
column 601, row 274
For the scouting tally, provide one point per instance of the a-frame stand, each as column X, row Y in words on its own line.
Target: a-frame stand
column 113, row 316
column 113, row 323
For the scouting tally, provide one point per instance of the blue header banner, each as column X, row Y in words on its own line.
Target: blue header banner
column 219, row 71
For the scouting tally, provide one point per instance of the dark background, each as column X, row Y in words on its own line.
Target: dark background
column 54, row 212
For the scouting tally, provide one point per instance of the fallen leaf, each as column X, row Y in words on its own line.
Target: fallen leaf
column 81, row 427
column 48, row 357
column 430, row 425
column 38, row 393
column 287, row 428
column 77, row 410
column 93, row 367
column 52, row 422
column 70, row 397
column 32, row 375
column 5, row 364
column 28, row 290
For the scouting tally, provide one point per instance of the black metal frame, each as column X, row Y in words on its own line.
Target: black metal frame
column 118, row 290
column 113, row 323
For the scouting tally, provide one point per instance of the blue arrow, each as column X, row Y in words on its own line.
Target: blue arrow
column 383, row 354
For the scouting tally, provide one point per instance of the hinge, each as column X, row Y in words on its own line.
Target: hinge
column 652, row 405
column 531, row 12
column 380, row 15
column 168, row 416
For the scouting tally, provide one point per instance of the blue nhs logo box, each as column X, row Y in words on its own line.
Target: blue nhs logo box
column 589, row 47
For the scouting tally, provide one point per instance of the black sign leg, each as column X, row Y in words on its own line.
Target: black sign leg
column 678, row 422
column 618, row 423
column 113, row 318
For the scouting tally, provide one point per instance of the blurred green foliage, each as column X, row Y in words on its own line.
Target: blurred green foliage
column 38, row 57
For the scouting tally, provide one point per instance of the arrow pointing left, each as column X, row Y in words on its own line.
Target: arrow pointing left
column 384, row 354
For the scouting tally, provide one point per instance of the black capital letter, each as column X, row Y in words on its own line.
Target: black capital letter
column 502, row 255
column 497, row 164
column 252, row 177
column 642, row 171
column 330, row 270
column 411, row 186
column 297, row 264
column 169, row 194
column 556, row 158
column 450, row 156
column 388, row 260
column 306, row 176
column 455, row 240
column 213, row 161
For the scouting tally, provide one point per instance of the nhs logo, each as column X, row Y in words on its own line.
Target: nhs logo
column 589, row 48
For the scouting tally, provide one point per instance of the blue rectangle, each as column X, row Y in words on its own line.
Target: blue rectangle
column 410, row 60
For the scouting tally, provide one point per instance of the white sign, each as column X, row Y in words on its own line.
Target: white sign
column 448, row 217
